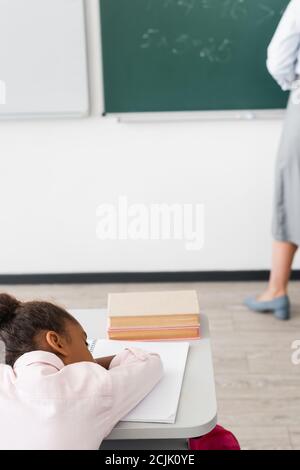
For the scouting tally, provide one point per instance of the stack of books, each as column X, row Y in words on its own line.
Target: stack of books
column 152, row 316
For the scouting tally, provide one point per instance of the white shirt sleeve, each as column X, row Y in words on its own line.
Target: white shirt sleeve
column 283, row 51
column 133, row 374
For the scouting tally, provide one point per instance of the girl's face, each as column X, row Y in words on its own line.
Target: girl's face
column 77, row 350
column 71, row 347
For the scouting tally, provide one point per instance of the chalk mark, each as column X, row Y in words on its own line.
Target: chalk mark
column 188, row 5
column 149, row 37
column 234, row 9
column 224, row 51
column 182, row 44
column 268, row 13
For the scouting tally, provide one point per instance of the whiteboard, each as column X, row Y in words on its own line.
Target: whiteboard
column 43, row 59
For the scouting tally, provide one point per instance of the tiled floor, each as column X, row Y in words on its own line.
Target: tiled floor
column 258, row 387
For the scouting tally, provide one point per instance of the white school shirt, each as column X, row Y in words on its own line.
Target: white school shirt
column 47, row 405
column 284, row 51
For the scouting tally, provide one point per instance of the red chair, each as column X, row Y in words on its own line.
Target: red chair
column 218, row 439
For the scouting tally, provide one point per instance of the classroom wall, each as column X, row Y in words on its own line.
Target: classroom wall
column 55, row 173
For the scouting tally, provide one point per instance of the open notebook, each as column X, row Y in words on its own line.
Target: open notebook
column 160, row 406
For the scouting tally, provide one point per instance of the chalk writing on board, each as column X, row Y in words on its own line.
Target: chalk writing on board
column 153, row 38
column 186, row 5
column 206, row 4
column 234, row 9
column 227, row 9
column 210, row 49
column 267, row 13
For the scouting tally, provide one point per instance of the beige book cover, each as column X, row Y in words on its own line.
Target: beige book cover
column 130, row 304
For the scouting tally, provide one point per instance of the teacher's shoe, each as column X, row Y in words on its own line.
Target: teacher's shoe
column 280, row 306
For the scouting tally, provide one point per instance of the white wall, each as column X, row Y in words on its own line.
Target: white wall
column 54, row 174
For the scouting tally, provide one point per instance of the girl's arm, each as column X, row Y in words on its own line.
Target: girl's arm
column 133, row 374
column 284, row 48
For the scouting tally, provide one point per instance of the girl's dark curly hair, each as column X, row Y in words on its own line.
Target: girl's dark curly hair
column 20, row 323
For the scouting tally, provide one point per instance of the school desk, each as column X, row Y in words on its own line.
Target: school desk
column 197, row 410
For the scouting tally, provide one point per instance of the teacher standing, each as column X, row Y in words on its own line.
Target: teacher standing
column 284, row 65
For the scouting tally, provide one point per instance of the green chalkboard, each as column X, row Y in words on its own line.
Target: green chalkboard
column 188, row 55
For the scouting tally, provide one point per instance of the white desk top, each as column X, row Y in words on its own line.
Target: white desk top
column 197, row 411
